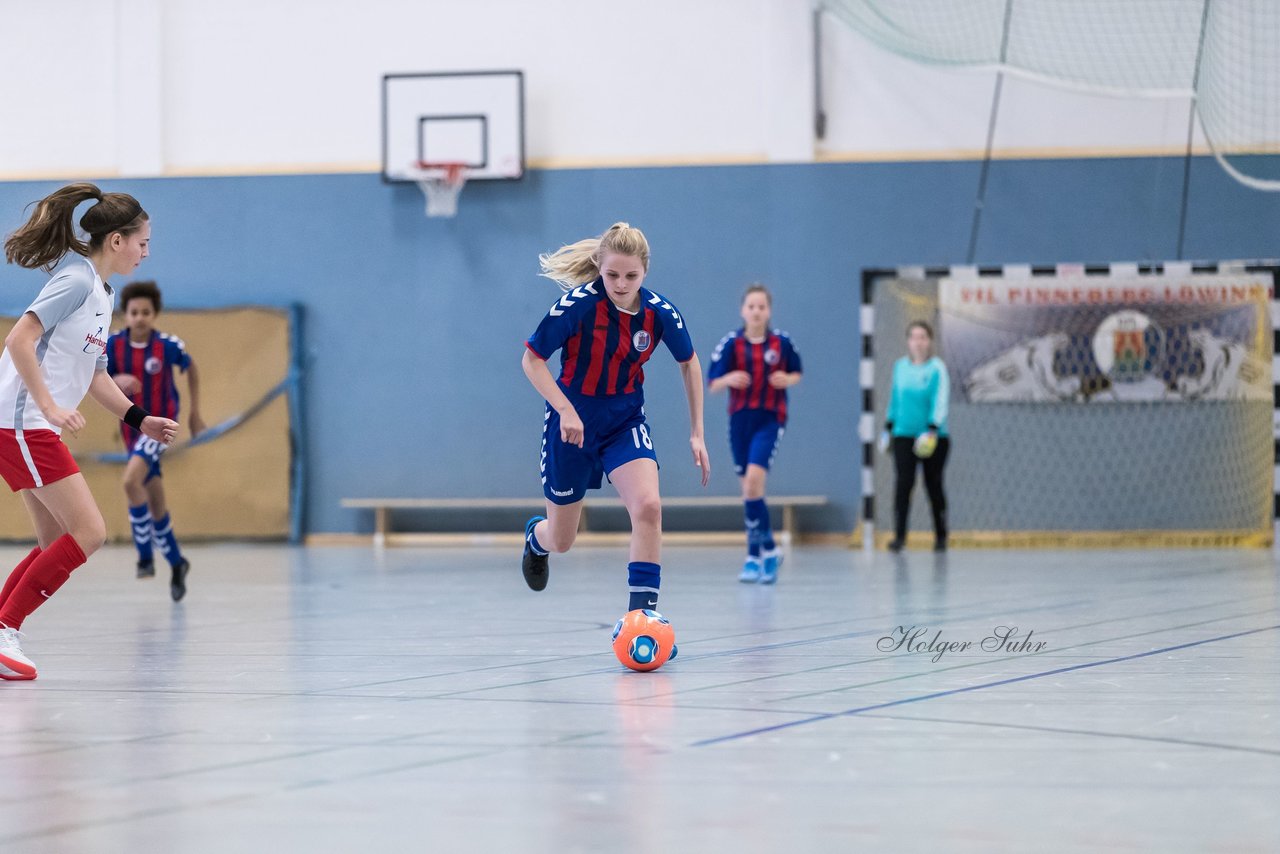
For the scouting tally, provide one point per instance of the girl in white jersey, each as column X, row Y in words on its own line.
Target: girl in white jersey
column 55, row 353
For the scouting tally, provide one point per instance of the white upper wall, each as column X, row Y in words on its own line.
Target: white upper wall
column 156, row 87
column 880, row 104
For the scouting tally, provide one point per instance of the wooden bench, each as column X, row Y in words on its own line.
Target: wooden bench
column 382, row 508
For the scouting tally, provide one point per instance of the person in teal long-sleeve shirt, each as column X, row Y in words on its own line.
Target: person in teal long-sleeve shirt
column 918, row 404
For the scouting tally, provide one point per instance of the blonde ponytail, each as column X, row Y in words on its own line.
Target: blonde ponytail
column 579, row 263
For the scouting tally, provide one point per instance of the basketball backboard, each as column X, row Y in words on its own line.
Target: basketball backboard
column 475, row 118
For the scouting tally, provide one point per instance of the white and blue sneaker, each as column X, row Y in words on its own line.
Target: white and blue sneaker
column 750, row 571
column 771, row 561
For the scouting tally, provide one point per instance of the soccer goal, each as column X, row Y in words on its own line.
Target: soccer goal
column 1117, row 405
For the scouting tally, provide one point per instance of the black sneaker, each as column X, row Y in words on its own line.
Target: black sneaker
column 178, row 581
column 533, row 565
column 939, row 545
column 895, row 546
column 146, row 569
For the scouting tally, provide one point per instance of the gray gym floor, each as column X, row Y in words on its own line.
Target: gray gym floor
column 330, row 699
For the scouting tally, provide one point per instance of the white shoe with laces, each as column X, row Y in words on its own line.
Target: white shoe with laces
column 14, row 666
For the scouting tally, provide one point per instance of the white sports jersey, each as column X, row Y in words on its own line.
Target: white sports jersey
column 75, row 310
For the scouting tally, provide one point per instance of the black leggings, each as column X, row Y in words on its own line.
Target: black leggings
column 904, row 463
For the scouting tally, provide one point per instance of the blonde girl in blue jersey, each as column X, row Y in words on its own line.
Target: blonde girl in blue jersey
column 607, row 326
column 918, row 404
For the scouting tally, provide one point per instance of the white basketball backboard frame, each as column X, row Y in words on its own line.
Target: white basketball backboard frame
column 471, row 117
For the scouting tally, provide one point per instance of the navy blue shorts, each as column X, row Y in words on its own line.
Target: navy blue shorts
column 753, row 438
column 150, row 450
column 614, row 433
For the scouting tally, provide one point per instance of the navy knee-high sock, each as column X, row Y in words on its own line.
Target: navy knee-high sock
column 759, row 534
column 643, row 579
column 143, row 531
column 532, row 538
column 766, row 528
column 166, row 541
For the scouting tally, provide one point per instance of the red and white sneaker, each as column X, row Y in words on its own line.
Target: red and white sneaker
column 14, row 666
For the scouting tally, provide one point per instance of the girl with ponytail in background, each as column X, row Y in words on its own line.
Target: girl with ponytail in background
column 757, row 364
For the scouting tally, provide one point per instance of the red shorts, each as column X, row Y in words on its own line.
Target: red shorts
column 32, row 458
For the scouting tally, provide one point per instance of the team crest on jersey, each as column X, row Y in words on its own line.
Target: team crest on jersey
column 771, row 357
column 153, row 365
column 641, row 341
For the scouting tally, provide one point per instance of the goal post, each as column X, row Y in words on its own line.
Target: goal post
column 1111, row 405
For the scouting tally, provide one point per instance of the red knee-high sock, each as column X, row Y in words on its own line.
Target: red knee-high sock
column 48, row 571
column 14, row 576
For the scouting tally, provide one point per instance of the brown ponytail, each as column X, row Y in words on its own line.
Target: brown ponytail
column 49, row 233
column 758, row 288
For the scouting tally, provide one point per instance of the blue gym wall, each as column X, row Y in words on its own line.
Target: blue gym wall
column 414, row 327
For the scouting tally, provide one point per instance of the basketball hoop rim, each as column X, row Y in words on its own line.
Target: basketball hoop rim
column 441, row 184
column 450, row 173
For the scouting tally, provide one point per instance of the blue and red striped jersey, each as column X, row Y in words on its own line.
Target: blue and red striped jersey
column 604, row 348
column 152, row 363
column 759, row 359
